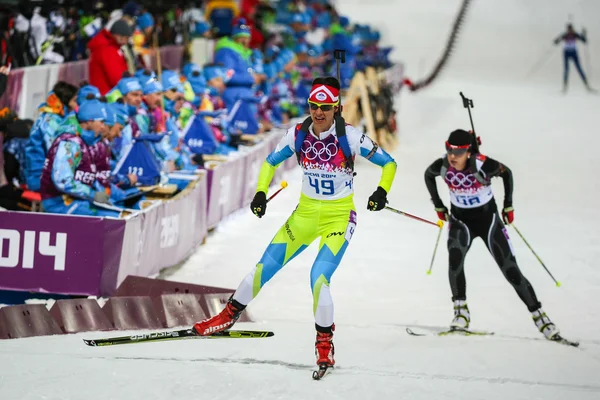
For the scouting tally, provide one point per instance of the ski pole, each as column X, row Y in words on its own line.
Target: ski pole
column 438, row 224
column 536, row 256
column 283, row 186
column 441, row 225
column 468, row 104
column 339, row 56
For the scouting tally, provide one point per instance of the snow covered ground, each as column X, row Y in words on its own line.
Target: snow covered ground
column 549, row 140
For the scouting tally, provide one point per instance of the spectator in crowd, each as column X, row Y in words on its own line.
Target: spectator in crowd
column 60, row 100
column 16, row 133
column 234, row 54
column 69, row 183
column 107, row 60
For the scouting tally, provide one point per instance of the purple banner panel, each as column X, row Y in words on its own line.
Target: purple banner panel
column 57, row 253
column 2, row 176
column 74, row 72
column 170, row 57
column 253, row 161
column 12, row 96
column 226, row 187
column 163, row 235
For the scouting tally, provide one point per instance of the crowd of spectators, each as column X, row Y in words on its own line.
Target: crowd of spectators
column 93, row 145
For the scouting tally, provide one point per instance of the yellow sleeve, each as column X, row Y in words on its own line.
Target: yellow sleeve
column 267, row 171
column 388, row 172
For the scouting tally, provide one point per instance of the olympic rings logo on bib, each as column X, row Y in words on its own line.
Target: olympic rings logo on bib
column 324, row 152
column 459, row 179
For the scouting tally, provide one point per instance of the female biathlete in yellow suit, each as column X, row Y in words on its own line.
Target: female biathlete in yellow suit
column 325, row 210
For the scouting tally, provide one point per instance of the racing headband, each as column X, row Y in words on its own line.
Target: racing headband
column 324, row 94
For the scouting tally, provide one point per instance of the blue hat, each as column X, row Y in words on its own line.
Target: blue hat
column 145, row 21
column 240, row 29
column 188, row 68
column 144, row 75
column 214, row 71
column 271, row 51
column 121, row 114
column 152, row 86
column 298, row 18
column 170, row 80
column 111, row 117
column 84, row 91
column 301, row 48
column 201, row 28
column 344, row 21
column 92, row 110
column 129, row 84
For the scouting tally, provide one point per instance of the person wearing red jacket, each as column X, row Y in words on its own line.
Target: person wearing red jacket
column 107, row 60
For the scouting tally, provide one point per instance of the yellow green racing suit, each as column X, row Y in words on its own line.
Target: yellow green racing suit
column 325, row 210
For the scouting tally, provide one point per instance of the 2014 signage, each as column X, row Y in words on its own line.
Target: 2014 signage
column 13, row 255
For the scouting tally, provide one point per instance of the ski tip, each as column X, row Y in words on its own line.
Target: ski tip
column 89, row 342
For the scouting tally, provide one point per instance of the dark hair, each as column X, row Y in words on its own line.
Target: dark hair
column 327, row 80
column 102, row 99
column 126, row 74
column 120, row 100
column 64, row 91
column 83, row 83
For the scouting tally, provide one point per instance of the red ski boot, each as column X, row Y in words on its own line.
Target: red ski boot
column 324, row 349
column 222, row 321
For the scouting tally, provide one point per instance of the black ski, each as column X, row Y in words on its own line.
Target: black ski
column 562, row 340
column 451, row 331
column 175, row 335
column 466, row 332
column 323, row 371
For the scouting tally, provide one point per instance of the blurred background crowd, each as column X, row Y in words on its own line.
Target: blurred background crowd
column 93, row 144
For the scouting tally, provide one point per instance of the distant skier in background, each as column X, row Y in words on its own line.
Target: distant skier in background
column 570, row 38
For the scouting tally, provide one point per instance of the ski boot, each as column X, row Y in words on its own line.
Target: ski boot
column 222, row 321
column 544, row 325
column 462, row 317
column 324, row 349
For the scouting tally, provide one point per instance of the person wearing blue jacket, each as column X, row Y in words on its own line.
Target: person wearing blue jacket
column 52, row 113
column 69, row 183
column 233, row 52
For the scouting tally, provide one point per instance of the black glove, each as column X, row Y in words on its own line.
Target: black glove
column 259, row 204
column 378, row 200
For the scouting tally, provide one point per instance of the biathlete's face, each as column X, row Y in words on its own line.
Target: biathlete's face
column 322, row 115
column 458, row 158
